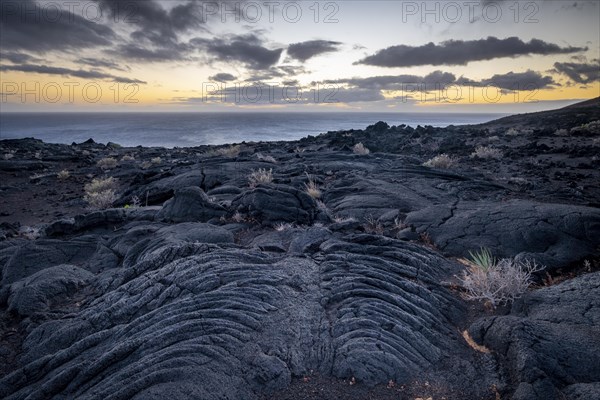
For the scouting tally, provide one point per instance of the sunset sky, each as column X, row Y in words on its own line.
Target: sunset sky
column 390, row 56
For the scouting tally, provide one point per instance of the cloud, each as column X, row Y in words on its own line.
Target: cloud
column 43, row 69
column 280, row 71
column 461, row 52
column 154, row 24
column 101, row 63
column 23, row 30
column 222, row 77
column 396, row 82
column 18, row 58
column 138, row 53
column 245, row 49
column 436, row 80
column 517, row 81
column 579, row 72
column 305, row 50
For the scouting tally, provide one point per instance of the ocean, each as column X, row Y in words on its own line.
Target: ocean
column 193, row 129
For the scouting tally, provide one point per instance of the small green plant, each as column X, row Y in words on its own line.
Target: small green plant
column 483, row 258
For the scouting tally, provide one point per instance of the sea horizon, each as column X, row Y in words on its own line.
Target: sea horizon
column 188, row 129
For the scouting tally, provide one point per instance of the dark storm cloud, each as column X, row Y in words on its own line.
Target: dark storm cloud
column 305, row 50
column 154, row 24
column 24, row 27
column 461, row 52
column 580, row 72
column 101, row 63
column 518, row 81
column 245, row 49
column 222, row 77
column 43, row 69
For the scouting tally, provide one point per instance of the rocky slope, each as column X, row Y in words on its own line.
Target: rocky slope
column 337, row 279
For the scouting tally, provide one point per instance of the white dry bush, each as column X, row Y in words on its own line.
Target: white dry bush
column 341, row 220
column 267, row 158
column 128, row 157
column 359, row 148
column 486, row 152
column 260, row 176
column 107, row 163
column 442, row 161
column 101, row 193
column 63, row 175
column 283, row 226
column 156, row 160
column 497, row 282
column 561, row 132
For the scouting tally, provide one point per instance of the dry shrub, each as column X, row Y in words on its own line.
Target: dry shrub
column 443, row 161
column 107, row 163
column 260, row 176
column 486, row 152
column 101, row 193
column 312, row 188
column 359, row 148
column 496, row 282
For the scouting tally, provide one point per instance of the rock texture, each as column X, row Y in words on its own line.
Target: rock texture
column 198, row 286
column 549, row 342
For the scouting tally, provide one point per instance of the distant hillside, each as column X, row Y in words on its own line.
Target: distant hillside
column 566, row 117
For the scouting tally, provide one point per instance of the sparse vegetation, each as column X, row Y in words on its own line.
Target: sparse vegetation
column 312, row 188
column 591, row 127
column 518, row 132
column 9, row 155
column 260, row 176
column 267, row 158
column 283, row 226
column 341, row 220
column 373, row 226
column 101, row 193
column 229, row 151
column 107, row 163
column 486, row 152
column 561, row 132
column 128, row 157
column 359, row 148
column 63, row 175
column 238, row 217
column 496, row 282
column 156, row 160
column 442, row 161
